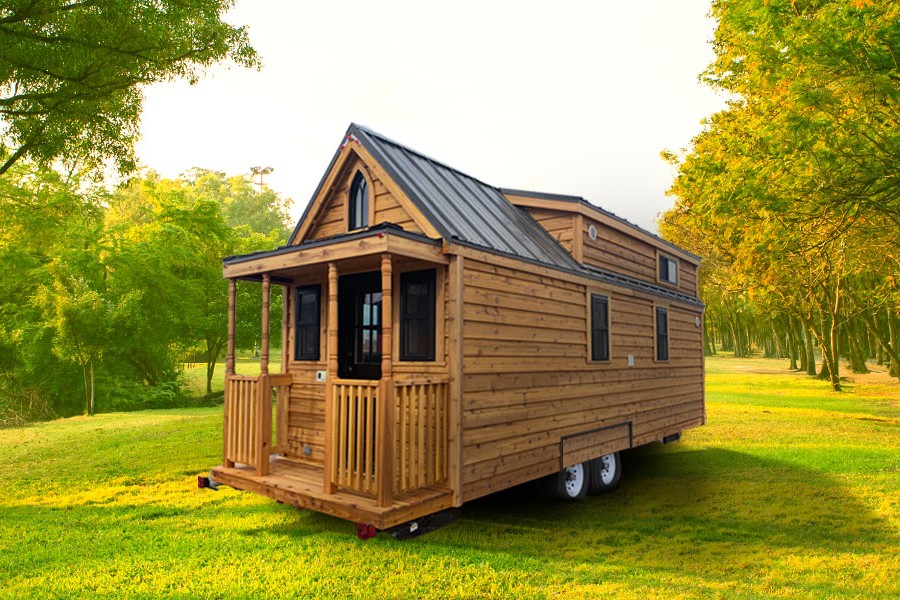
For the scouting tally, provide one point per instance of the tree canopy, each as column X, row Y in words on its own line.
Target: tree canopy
column 110, row 292
column 792, row 193
column 72, row 71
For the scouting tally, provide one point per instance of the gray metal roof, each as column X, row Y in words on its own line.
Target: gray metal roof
column 462, row 208
column 467, row 211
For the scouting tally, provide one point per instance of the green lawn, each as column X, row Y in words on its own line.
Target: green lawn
column 790, row 491
column 195, row 373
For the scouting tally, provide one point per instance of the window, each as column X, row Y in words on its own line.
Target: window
column 359, row 202
column 306, row 344
column 662, row 334
column 668, row 270
column 417, row 306
column 368, row 328
column 599, row 327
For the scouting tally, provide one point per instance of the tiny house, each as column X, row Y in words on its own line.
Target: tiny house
column 444, row 339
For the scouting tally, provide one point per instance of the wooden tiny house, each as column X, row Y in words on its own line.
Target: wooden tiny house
column 444, row 339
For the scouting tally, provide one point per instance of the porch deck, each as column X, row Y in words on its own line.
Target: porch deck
column 300, row 484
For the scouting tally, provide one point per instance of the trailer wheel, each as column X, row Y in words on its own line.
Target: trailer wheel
column 605, row 473
column 571, row 483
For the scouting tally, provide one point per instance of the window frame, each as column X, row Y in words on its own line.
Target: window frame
column 594, row 330
column 661, row 338
column 353, row 208
column 672, row 267
column 430, row 319
column 309, row 355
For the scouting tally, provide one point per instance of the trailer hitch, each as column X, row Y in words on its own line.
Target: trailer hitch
column 425, row 524
column 364, row 531
column 207, row 483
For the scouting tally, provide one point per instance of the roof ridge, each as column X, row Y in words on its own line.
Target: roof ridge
column 422, row 155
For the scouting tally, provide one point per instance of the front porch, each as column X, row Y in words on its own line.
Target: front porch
column 385, row 438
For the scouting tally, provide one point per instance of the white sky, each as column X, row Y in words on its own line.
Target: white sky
column 568, row 97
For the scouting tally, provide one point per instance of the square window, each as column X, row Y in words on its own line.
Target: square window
column 668, row 270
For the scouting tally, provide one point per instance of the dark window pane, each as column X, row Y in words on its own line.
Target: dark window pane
column 668, row 270
column 306, row 346
column 662, row 334
column 359, row 202
column 417, row 315
column 599, row 328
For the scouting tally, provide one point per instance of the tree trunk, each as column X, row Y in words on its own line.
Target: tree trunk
column 792, row 345
column 92, row 408
column 213, row 350
column 854, row 350
column 87, row 388
column 827, row 341
column 810, row 350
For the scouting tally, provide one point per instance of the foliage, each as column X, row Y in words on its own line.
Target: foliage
column 108, row 293
column 789, row 492
column 71, row 72
column 792, row 193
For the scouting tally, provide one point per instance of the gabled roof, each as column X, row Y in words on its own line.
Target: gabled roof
column 466, row 211
column 461, row 208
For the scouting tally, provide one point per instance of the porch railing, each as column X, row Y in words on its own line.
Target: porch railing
column 248, row 419
column 354, row 434
column 416, row 450
column 421, row 458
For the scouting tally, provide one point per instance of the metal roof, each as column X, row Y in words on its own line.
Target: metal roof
column 462, row 208
column 470, row 212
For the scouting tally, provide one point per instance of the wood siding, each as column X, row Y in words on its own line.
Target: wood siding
column 332, row 219
column 617, row 251
column 559, row 224
column 527, row 382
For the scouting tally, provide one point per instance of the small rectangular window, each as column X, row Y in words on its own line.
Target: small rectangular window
column 417, row 308
column 306, row 346
column 662, row 334
column 599, row 327
column 668, row 270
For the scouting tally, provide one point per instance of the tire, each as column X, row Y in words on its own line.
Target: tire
column 571, row 483
column 605, row 473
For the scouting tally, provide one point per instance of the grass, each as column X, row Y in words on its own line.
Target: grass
column 195, row 373
column 790, row 491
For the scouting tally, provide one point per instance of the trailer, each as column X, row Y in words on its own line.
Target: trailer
column 444, row 339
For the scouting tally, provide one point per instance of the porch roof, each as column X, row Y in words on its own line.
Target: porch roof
column 379, row 239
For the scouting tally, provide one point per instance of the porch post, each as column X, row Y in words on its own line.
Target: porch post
column 229, row 357
column 264, row 338
column 229, row 370
column 384, row 444
column 331, row 323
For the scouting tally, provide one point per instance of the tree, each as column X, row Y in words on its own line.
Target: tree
column 794, row 186
column 71, row 71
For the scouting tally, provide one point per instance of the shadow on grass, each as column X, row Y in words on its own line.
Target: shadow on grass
column 676, row 500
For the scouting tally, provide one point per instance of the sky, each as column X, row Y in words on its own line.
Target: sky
column 565, row 97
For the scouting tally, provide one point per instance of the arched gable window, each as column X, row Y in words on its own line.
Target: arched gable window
column 359, row 203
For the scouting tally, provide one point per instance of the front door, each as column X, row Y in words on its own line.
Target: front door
column 359, row 326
